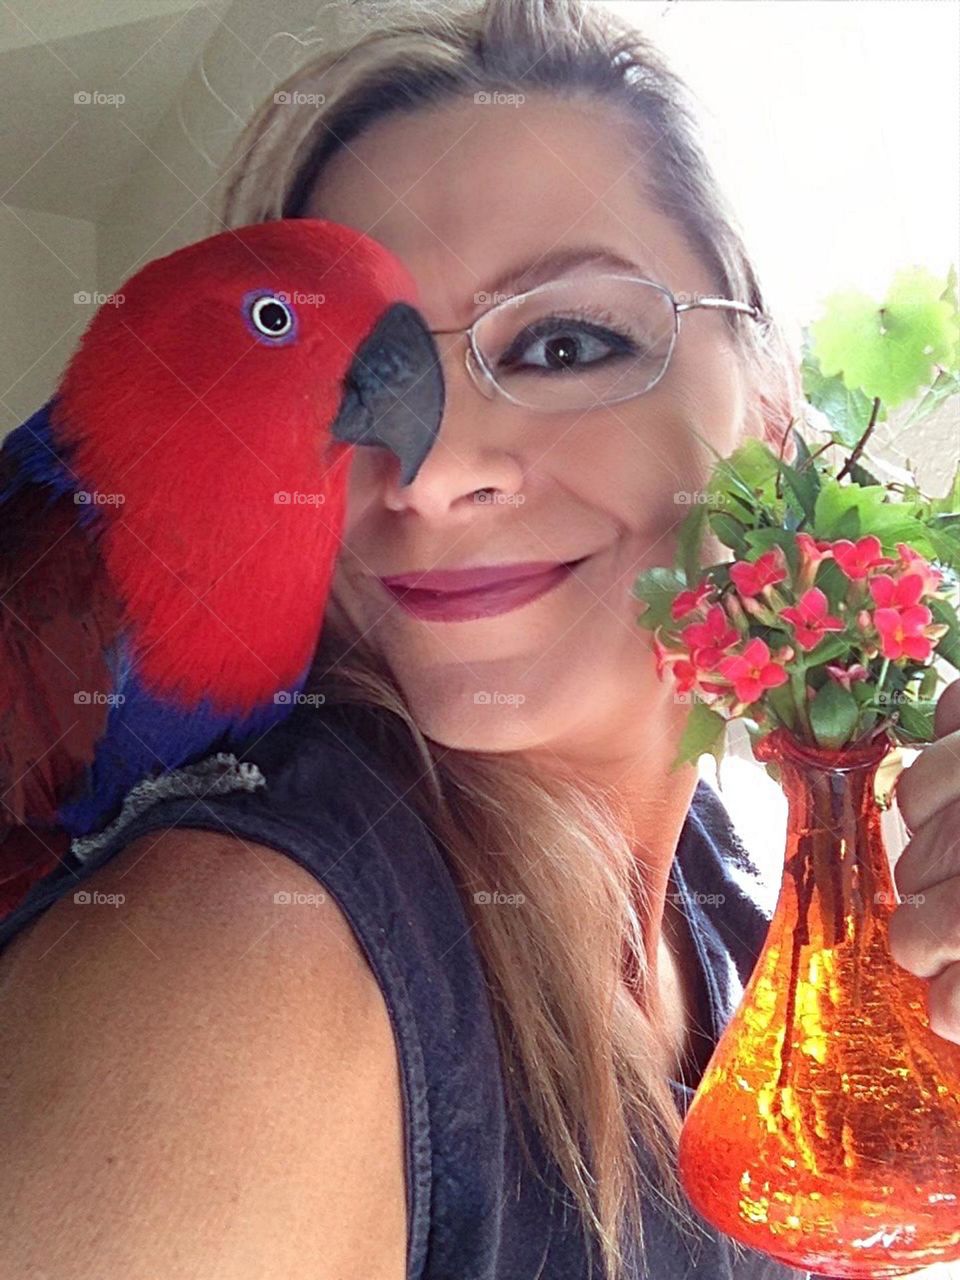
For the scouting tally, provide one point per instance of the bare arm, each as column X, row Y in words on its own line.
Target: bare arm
column 198, row 1081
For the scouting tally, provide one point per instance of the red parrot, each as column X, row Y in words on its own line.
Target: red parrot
column 170, row 518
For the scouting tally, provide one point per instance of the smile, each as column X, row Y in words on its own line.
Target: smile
column 480, row 602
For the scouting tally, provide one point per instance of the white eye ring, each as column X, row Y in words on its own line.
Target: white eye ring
column 271, row 325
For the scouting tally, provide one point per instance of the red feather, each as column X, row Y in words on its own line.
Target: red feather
column 58, row 616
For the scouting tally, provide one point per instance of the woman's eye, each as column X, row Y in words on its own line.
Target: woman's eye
column 565, row 344
column 271, row 316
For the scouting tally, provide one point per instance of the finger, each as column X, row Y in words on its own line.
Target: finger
column 924, row 930
column 933, row 854
column 943, row 1003
column 930, row 782
column 946, row 714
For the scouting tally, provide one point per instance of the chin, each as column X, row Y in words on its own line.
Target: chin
column 463, row 725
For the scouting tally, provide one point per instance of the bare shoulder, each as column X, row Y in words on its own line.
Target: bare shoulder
column 200, row 1077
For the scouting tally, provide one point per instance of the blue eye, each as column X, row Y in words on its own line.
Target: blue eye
column 269, row 316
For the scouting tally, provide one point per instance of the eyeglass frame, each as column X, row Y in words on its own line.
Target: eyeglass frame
column 486, row 383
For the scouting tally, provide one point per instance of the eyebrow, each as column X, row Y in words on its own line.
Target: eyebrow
column 558, row 262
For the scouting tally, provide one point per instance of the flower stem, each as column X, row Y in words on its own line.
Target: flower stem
column 798, row 687
column 883, row 676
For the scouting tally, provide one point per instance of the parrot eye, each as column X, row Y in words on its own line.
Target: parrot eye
column 271, row 316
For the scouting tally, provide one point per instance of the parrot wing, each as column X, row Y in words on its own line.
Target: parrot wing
column 59, row 621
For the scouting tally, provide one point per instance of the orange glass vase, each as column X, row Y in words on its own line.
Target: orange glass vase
column 826, row 1128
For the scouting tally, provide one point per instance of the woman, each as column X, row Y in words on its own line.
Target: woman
column 271, row 1080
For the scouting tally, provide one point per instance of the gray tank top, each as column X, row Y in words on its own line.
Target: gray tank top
column 314, row 791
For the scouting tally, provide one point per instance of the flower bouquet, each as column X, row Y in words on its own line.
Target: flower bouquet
column 826, row 1128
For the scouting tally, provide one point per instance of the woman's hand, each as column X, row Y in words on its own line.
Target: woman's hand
column 925, row 928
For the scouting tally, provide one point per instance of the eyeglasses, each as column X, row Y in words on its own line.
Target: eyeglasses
column 579, row 342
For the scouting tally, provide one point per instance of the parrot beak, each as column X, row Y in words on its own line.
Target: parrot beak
column 394, row 393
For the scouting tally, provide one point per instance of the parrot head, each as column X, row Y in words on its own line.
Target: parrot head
column 220, row 387
column 281, row 338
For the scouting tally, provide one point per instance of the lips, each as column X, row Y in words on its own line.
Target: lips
column 457, row 580
column 457, row 595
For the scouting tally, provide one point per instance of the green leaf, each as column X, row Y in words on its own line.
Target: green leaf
column 761, row 540
column 702, row 733
column 888, row 350
column 943, row 537
column 689, row 541
column 748, row 474
column 852, row 510
column 833, row 715
column 657, row 587
column 780, row 699
column 928, row 682
column 949, row 504
column 804, row 486
column 846, row 409
column 945, row 385
column 832, row 646
column 859, row 474
column 730, row 532
column 948, row 646
column 916, row 719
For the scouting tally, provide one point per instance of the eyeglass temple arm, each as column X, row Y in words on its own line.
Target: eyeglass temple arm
column 719, row 304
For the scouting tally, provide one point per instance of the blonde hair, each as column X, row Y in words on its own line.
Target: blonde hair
column 572, row 1018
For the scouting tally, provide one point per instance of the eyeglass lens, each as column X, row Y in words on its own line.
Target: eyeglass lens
column 577, row 343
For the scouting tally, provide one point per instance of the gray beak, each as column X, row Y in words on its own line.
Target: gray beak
column 393, row 393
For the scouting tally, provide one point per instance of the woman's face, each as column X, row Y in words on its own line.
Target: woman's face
column 462, row 194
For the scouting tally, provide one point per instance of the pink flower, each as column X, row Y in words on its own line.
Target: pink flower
column 686, row 670
column 752, row 671
column 902, row 632
column 750, row 577
column 847, row 675
column 810, row 619
column 913, row 562
column 900, row 619
column 687, row 601
column 897, row 593
column 856, row 559
column 707, row 641
column 812, row 551
column 685, row 674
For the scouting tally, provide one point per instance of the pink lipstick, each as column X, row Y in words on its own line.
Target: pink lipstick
column 459, row 595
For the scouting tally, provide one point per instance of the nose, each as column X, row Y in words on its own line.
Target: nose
column 476, row 449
